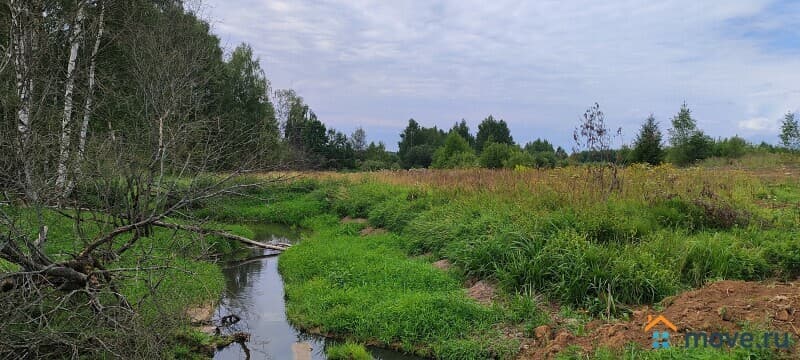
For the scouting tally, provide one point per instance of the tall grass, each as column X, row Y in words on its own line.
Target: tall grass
column 544, row 235
column 553, row 233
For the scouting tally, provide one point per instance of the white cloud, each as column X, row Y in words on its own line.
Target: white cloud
column 539, row 63
column 759, row 124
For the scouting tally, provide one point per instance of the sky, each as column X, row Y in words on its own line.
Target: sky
column 536, row 64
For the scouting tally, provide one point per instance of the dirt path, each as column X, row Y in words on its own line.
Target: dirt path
column 724, row 306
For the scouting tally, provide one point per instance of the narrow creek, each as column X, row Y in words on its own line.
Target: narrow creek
column 254, row 292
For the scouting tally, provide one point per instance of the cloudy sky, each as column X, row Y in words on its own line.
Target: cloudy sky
column 536, row 64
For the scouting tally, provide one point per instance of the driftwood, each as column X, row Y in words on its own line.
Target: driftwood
column 219, row 233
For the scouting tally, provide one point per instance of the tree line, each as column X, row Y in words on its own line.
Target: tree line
column 93, row 73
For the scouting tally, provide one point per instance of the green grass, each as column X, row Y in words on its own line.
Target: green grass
column 633, row 352
column 591, row 254
column 347, row 351
column 367, row 288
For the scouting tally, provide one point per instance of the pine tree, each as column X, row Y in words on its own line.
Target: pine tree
column 647, row 148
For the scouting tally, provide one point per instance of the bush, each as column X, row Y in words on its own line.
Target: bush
column 455, row 153
column 494, row 155
column 734, row 147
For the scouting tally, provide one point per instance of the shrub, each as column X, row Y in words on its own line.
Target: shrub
column 455, row 153
column 494, row 155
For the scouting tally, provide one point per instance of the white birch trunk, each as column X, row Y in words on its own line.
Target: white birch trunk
column 21, row 45
column 87, row 106
column 66, row 126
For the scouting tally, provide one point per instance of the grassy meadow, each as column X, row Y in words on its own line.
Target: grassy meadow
column 561, row 237
column 569, row 243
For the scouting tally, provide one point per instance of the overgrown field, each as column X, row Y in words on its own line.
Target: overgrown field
column 592, row 244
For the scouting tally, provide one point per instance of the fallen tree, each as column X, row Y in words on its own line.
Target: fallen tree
column 221, row 233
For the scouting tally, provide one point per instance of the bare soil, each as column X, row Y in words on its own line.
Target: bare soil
column 350, row 220
column 482, row 291
column 443, row 264
column 724, row 306
column 369, row 230
column 200, row 317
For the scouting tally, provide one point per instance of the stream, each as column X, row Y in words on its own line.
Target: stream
column 254, row 292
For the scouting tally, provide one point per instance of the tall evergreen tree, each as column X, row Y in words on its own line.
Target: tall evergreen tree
column 647, row 147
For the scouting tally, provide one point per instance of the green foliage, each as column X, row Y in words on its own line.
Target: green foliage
column 790, row 132
column 494, row 155
column 647, row 146
column 538, row 146
column 689, row 144
column 347, row 351
column 596, row 258
column 722, row 257
column 492, row 131
column 520, row 159
column 634, row 351
column 417, row 145
column 455, row 153
column 734, row 147
column 462, row 130
column 250, row 124
column 333, row 283
column 375, row 157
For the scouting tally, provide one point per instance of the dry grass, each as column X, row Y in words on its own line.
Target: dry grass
column 577, row 185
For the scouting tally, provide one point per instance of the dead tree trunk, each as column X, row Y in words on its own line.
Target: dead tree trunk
column 219, row 233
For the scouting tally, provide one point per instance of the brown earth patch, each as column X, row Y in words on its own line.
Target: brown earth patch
column 443, row 264
column 724, row 306
column 350, row 220
column 200, row 317
column 482, row 291
column 369, row 230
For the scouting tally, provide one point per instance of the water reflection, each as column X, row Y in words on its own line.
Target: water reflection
column 254, row 291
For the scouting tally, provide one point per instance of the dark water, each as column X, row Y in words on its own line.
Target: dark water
column 254, row 292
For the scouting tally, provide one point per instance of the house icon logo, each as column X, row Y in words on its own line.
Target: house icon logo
column 660, row 337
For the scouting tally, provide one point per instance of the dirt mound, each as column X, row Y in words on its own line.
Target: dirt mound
column 719, row 307
column 443, row 264
column 482, row 291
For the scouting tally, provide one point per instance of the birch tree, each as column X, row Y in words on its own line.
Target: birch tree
column 66, row 121
column 88, row 102
column 23, row 38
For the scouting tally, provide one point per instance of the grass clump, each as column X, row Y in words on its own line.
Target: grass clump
column 348, row 351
